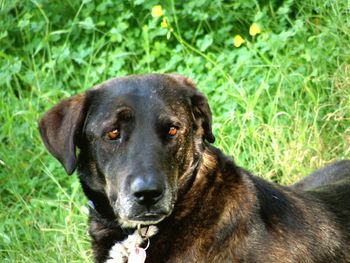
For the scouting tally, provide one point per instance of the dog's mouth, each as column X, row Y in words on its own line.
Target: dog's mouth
column 130, row 214
column 150, row 217
column 145, row 219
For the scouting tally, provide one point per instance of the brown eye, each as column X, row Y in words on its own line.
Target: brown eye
column 113, row 135
column 172, row 131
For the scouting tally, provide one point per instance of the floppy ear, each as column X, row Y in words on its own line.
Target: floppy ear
column 60, row 127
column 201, row 110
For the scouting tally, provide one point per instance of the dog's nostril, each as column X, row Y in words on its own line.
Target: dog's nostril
column 148, row 197
column 146, row 192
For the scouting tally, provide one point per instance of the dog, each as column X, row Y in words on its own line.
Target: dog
column 142, row 147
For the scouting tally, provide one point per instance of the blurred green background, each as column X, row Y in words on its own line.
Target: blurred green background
column 277, row 75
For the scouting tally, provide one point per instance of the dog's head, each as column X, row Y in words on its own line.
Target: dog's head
column 140, row 138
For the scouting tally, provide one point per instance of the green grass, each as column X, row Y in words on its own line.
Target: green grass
column 281, row 101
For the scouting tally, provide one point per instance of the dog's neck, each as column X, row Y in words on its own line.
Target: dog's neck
column 190, row 215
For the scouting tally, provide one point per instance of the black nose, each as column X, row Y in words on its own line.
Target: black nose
column 147, row 190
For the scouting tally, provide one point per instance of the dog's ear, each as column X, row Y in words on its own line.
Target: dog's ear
column 202, row 112
column 199, row 105
column 60, row 128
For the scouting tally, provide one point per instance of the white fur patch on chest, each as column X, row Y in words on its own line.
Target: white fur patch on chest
column 129, row 250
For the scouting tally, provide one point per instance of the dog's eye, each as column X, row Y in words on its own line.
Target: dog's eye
column 172, row 131
column 113, row 135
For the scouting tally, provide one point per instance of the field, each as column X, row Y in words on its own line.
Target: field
column 277, row 75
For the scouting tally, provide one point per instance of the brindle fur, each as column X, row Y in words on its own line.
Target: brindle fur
column 210, row 210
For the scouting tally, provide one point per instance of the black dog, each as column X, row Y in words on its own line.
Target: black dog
column 145, row 159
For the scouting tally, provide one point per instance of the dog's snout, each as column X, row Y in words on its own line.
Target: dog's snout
column 147, row 190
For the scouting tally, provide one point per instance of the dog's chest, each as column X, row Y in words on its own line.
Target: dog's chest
column 188, row 248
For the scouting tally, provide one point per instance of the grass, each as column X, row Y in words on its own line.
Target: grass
column 281, row 101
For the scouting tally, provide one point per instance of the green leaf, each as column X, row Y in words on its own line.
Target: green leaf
column 204, row 43
column 87, row 24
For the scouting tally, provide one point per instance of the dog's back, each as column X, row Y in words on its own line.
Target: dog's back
column 306, row 226
column 336, row 196
column 324, row 176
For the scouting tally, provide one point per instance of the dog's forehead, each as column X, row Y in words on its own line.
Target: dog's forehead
column 153, row 95
column 143, row 91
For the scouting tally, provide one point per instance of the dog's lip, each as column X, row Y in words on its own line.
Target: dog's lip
column 141, row 220
column 150, row 217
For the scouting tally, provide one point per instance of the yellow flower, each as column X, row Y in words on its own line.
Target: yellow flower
column 157, row 11
column 164, row 23
column 238, row 41
column 254, row 30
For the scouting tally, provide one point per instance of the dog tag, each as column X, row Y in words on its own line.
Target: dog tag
column 138, row 255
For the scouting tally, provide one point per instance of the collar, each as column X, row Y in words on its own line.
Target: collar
column 91, row 204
